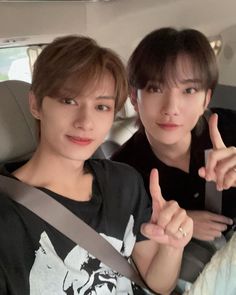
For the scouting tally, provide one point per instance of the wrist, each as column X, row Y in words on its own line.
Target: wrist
column 169, row 249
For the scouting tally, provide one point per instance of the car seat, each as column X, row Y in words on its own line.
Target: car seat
column 224, row 96
column 18, row 128
column 124, row 126
column 17, row 125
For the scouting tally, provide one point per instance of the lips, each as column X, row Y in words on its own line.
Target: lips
column 80, row 140
column 168, row 126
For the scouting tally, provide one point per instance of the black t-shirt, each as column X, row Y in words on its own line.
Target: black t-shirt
column 188, row 189
column 36, row 259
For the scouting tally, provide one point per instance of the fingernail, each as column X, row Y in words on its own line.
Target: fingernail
column 208, row 178
column 231, row 221
column 219, row 188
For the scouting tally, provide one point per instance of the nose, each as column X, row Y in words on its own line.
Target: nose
column 83, row 119
column 170, row 105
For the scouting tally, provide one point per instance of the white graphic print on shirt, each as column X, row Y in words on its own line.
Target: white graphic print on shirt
column 80, row 273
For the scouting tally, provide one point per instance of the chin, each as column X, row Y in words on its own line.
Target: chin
column 80, row 157
column 168, row 141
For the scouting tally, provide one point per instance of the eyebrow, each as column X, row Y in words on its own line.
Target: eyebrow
column 70, row 92
column 64, row 91
column 106, row 97
column 185, row 81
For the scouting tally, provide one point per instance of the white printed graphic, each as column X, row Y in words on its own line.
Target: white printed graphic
column 80, row 273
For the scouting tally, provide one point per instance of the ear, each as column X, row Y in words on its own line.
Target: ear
column 133, row 98
column 34, row 109
column 207, row 98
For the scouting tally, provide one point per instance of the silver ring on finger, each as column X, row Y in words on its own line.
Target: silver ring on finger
column 182, row 231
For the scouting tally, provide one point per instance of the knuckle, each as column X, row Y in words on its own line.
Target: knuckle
column 173, row 204
column 164, row 219
column 182, row 213
column 232, row 149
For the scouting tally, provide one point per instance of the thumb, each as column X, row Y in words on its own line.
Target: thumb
column 215, row 136
column 158, row 201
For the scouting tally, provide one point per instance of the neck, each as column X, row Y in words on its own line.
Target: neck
column 63, row 176
column 176, row 155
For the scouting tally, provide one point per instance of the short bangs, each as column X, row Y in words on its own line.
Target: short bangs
column 155, row 58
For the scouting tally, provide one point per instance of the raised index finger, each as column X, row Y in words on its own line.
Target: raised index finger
column 215, row 136
column 157, row 200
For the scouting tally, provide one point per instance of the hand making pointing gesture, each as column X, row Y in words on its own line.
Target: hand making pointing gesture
column 169, row 223
column 221, row 162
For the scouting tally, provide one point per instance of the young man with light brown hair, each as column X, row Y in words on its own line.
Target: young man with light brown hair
column 77, row 88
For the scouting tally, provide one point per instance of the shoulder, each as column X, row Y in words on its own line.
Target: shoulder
column 7, row 207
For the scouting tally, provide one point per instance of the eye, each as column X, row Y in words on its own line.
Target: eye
column 103, row 108
column 70, row 101
column 190, row 90
column 154, row 88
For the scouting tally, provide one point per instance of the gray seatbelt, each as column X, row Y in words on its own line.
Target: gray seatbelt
column 213, row 197
column 213, row 203
column 69, row 225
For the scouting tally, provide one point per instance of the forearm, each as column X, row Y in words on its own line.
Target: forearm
column 163, row 271
column 169, row 230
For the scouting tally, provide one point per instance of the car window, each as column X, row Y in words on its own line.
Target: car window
column 14, row 64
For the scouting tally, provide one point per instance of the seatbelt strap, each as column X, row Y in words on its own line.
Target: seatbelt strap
column 213, row 203
column 70, row 225
column 213, row 197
